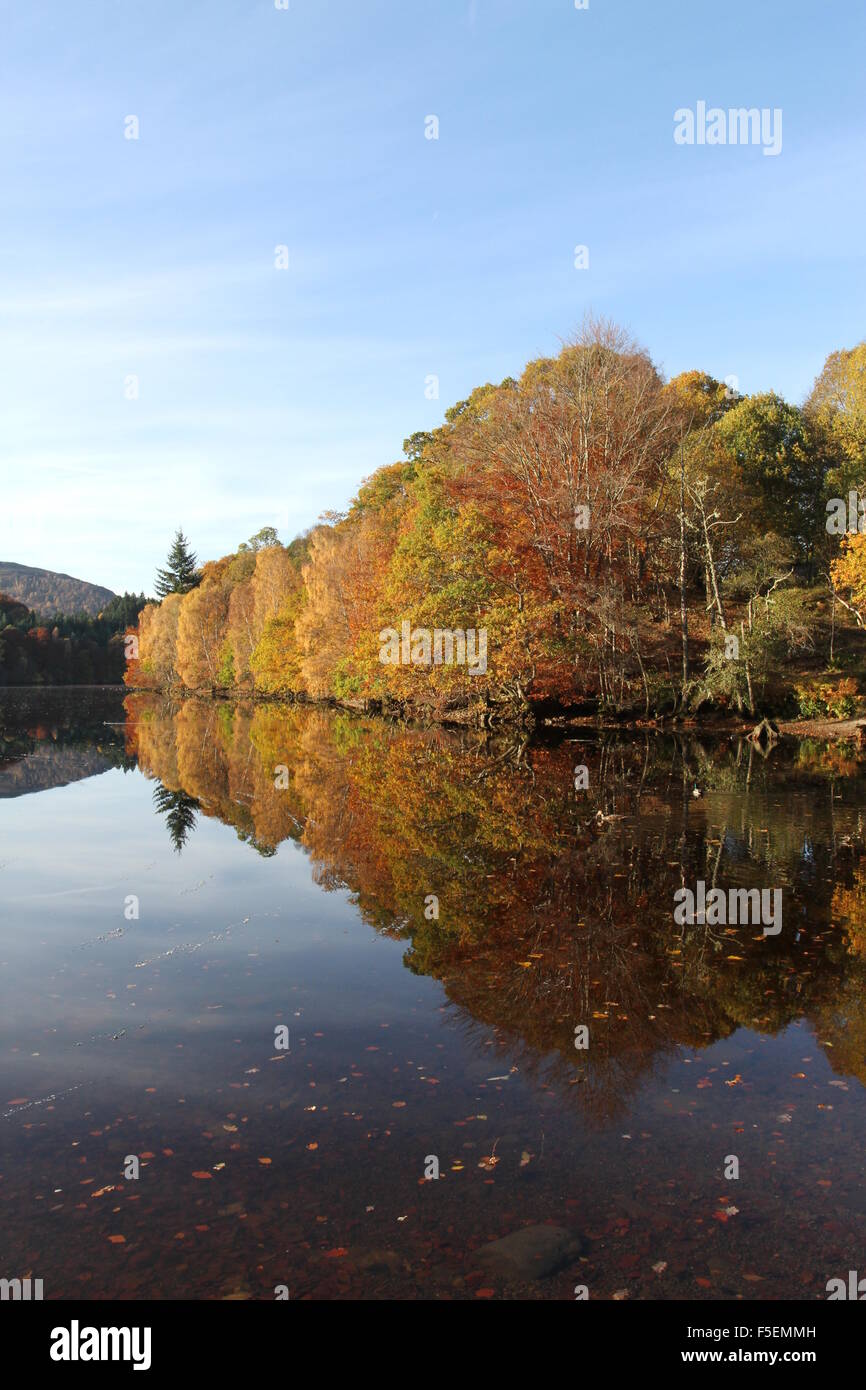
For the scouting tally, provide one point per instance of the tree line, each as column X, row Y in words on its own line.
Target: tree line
column 66, row 649
column 626, row 543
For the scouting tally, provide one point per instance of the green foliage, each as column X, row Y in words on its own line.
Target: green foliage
column 264, row 538
column 742, row 665
column 347, row 685
column 66, row 650
column 274, row 661
column 179, row 811
column 835, row 700
column 180, row 574
column 837, row 409
column 122, row 612
column 415, row 445
column 780, row 455
column 226, row 668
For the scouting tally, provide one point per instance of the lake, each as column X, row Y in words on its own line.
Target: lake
column 266, row 969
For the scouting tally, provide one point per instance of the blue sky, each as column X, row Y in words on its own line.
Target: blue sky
column 265, row 396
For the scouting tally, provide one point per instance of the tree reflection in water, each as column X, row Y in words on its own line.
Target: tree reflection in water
column 551, row 915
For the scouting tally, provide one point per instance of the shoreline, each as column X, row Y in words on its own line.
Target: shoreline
column 485, row 716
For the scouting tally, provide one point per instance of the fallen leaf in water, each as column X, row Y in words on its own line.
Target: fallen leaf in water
column 117, row 1240
column 201, row 1176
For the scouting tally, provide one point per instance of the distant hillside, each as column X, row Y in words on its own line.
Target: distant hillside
column 48, row 767
column 47, row 592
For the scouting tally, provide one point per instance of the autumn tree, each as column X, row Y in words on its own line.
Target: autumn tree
column 775, row 624
column 157, row 642
column 567, row 514
column 836, row 407
column 848, row 576
column 202, row 630
column 278, row 597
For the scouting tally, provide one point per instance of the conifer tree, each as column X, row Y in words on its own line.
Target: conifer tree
column 180, row 574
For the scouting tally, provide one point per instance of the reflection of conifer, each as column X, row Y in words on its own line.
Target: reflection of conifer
column 179, row 811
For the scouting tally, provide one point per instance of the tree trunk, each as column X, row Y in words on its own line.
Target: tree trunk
column 748, row 671
column 832, row 627
column 684, row 617
column 711, row 564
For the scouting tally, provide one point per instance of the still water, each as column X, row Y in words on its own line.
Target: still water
column 426, row 917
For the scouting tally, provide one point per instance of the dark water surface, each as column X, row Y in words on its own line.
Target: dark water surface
column 307, row 904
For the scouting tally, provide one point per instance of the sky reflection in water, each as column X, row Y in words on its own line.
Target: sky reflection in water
column 413, row 1037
